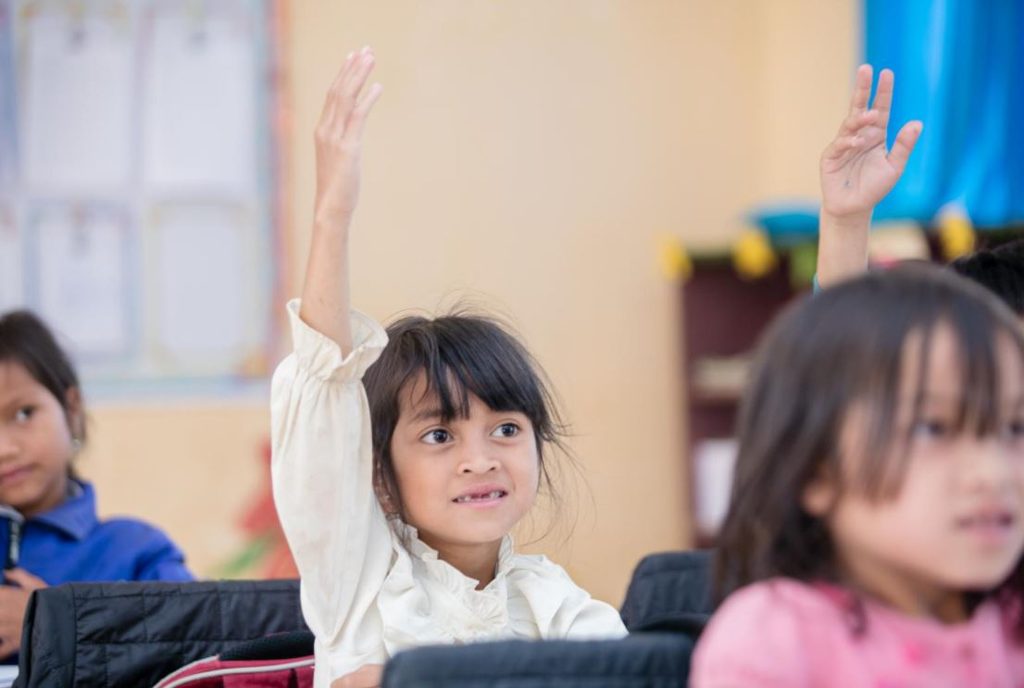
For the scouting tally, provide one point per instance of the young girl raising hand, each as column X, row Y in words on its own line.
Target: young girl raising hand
column 876, row 527
column 403, row 459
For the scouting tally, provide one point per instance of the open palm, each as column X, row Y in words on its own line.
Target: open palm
column 856, row 169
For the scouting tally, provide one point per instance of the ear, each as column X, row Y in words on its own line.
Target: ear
column 75, row 412
column 387, row 503
column 819, row 495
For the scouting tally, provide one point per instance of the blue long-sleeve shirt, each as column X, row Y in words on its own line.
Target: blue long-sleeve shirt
column 71, row 544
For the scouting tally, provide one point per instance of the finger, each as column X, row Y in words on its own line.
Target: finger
column 856, row 121
column 904, row 144
column 330, row 102
column 353, row 86
column 357, row 121
column 883, row 97
column 841, row 146
column 861, row 88
column 24, row 579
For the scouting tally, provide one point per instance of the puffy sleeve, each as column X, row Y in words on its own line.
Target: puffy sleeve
column 753, row 640
column 323, row 487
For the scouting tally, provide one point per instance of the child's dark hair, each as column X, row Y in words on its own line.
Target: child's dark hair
column 457, row 354
column 27, row 341
column 1000, row 270
column 842, row 347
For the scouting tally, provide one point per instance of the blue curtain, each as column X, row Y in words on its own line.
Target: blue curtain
column 959, row 68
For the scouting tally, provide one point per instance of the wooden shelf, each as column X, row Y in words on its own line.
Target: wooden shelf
column 723, row 317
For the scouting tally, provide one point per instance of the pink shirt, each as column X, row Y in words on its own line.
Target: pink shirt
column 787, row 633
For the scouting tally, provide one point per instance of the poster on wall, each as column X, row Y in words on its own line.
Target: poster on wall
column 81, row 267
column 137, row 187
column 209, row 321
column 199, row 114
column 76, row 95
column 11, row 274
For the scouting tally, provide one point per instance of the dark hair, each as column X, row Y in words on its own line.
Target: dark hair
column 1000, row 270
column 458, row 354
column 27, row 341
column 841, row 347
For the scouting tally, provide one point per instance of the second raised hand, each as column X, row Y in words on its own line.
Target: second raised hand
column 856, row 169
column 339, row 140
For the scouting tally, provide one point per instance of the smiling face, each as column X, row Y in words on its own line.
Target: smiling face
column 466, row 481
column 36, row 442
column 955, row 518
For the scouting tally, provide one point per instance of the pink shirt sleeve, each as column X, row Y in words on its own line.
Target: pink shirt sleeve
column 754, row 639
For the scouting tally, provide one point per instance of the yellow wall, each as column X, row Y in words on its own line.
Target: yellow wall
column 528, row 154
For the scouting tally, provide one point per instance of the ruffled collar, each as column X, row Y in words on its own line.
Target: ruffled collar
column 453, row 579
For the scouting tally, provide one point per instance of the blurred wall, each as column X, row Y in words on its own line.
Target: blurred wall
column 526, row 156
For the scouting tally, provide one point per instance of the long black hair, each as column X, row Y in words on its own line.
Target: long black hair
column 842, row 347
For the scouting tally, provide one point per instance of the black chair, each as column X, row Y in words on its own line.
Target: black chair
column 132, row 634
column 646, row 660
column 670, row 591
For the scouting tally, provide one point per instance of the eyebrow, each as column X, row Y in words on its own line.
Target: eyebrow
column 931, row 398
column 429, row 413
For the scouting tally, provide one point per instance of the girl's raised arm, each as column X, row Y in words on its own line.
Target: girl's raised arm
column 325, row 294
column 856, row 174
column 322, row 458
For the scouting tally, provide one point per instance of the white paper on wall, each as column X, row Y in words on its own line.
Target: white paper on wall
column 199, row 100
column 76, row 122
column 203, row 286
column 82, row 262
column 11, row 261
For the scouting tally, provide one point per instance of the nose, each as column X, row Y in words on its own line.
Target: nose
column 476, row 457
column 8, row 447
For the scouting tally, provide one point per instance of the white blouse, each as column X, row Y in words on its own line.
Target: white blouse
column 370, row 586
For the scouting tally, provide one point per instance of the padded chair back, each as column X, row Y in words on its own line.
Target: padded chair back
column 106, row 635
column 646, row 660
column 670, row 591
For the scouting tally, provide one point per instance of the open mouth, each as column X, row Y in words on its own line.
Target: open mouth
column 480, row 497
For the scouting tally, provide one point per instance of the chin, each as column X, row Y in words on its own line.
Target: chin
column 982, row 580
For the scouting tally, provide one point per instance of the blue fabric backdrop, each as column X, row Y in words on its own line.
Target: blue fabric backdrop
column 959, row 68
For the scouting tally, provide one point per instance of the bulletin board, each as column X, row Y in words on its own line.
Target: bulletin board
column 139, row 204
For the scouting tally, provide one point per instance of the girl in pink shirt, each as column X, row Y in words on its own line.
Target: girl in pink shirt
column 877, row 519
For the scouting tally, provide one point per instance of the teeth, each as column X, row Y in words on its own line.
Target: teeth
column 477, row 498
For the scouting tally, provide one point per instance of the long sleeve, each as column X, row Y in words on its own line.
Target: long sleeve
column 323, row 489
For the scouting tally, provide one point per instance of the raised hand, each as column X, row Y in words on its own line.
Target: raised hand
column 856, row 173
column 339, row 135
column 856, row 169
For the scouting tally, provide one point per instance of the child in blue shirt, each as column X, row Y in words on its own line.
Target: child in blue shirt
column 42, row 428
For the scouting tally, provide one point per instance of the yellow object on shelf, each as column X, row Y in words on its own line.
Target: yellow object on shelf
column 752, row 254
column 675, row 262
column 956, row 233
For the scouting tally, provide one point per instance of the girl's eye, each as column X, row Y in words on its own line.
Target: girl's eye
column 506, row 430
column 24, row 414
column 931, row 429
column 1014, row 430
column 437, row 436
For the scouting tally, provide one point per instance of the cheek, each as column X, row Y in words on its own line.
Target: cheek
column 526, row 472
